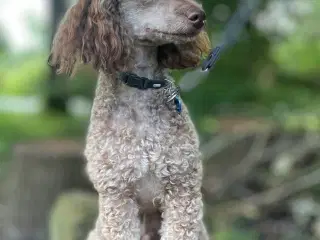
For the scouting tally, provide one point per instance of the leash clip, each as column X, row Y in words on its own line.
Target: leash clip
column 211, row 59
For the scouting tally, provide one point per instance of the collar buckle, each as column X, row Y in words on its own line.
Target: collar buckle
column 141, row 83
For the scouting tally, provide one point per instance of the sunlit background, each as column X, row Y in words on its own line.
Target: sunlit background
column 257, row 113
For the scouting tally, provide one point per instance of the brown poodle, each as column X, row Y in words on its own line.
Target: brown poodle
column 142, row 148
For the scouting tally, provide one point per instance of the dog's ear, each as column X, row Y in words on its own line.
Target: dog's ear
column 184, row 55
column 90, row 33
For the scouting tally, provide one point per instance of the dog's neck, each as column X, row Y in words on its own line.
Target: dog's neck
column 145, row 65
column 110, row 91
column 145, row 62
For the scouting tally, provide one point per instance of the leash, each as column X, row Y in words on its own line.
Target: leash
column 231, row 35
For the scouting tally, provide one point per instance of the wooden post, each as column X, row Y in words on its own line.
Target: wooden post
column 39, row 172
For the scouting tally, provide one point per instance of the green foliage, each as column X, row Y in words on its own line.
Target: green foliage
column 28, row 75
column 234, row 234
column 300, row 53
column 23, row 74
column 18, row 127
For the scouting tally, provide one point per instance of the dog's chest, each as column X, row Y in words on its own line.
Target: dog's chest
column 148, row 117
column 154, row 130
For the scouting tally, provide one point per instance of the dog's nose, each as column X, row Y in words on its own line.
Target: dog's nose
column 197, row 18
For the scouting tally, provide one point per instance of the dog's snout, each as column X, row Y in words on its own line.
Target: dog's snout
column 197, row 18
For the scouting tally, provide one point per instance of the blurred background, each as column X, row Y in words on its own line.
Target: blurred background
column 257, row 113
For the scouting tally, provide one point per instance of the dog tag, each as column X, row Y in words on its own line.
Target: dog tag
column 172, row 95
column 178, row 104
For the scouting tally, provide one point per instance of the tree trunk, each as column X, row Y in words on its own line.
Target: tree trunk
column 57, row 95
column 39, row 172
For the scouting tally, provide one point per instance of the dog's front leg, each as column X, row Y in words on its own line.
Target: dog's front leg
column 182, row 210
column 118, row 218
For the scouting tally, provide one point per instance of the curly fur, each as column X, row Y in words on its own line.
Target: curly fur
column 90, row 33
column 186, row 55
column 142, row 156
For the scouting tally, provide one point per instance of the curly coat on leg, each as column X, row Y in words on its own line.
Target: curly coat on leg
column 142, row 155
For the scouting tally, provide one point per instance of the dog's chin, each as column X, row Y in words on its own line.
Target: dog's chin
column 157, row 38
column 178, row 38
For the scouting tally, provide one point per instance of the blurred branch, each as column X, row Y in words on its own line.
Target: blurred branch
column 297, row 181
column 281, row 145
column 303, row 182
column 250, row 205
column 220, row 143
column 298, row 151
column 243, row 169
column 311, row 82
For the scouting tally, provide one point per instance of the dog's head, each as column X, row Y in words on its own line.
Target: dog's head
column 163, row 21
column 103, row 33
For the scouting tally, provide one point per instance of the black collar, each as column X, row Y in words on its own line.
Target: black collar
column 142, row 83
